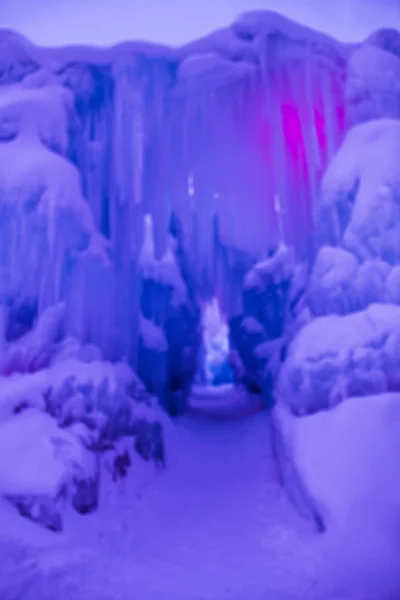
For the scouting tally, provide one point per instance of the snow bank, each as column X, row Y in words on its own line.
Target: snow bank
column 348, row 458
column 341, row 467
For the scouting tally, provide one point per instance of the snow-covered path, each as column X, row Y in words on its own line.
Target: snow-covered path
column 214, row 526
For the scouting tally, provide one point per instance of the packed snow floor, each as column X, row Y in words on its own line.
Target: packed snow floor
column 214, row 526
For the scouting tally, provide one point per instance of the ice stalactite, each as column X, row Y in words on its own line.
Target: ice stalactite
column 139, row 179
column 119, row 106
column 217, row 171
column 127, row 158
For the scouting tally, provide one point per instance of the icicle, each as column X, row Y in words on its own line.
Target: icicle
column 330, row 116
column 313, row 152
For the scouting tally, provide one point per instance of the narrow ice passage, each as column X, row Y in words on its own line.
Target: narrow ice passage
column 215, row 525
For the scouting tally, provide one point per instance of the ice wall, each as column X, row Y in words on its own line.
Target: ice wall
column 229, row 136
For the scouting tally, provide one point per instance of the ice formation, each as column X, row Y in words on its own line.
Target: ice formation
column 257, row 168
column 138, row 130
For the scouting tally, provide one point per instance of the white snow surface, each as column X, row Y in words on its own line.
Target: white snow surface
column 215, row 525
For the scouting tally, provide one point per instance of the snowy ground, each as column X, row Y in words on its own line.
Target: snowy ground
column 214, row 526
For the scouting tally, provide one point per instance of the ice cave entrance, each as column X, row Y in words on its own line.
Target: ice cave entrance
column 215, row 367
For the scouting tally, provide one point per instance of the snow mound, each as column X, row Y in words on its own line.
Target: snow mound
column 41, row 465
column 70, row 381
column 334, row 357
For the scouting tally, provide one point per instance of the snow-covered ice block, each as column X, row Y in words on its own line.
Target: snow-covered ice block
column 224, row 43
column 35, row 349
column 359, row 205
column 210, row 69
column 334, row 357
column 16, row 57
column 329, row 289
column 44, row 111
column 386, row 38
column 340, row 284
column 373, row 84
